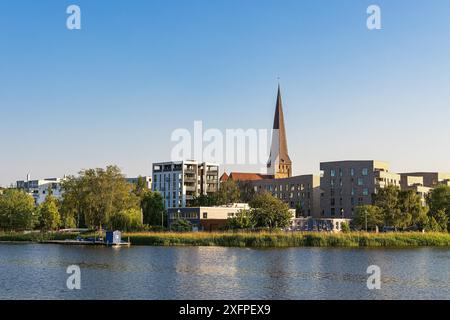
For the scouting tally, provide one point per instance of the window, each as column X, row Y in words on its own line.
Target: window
column 365, row 172
column 352, row 172
column 360, row 182
column 366, row 192
column 333, row 172
column 205, row 215
column 333, row 212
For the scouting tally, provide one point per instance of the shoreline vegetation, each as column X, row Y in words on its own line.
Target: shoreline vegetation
column 257, row 239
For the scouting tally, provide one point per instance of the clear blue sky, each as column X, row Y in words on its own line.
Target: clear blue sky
column 113, row 92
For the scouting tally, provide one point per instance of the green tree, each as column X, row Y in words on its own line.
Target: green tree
column 126, row 220
column 140, row 188
column 372, row 214
column 48, row 214
column 17, row 210
column 97, row 194
column 152, row 204
column 228, row 193
column 242, row 220
column 204, row 201
column 269, row 212
column 438, row 222
column 439, row 200
column 246, row 191
column 73, row 203
column 181, row 225
column 387, row 199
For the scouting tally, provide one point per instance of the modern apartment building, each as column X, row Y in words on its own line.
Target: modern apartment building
column 40, row 189
column 181, row 182
column 348, row 184
column 301, row 192
column 430, row 179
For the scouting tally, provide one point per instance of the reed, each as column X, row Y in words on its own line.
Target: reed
column 260, row 239
column 288, row 239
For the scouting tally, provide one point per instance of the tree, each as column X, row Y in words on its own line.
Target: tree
column 439, row 200
column 247, row 191
column 73, row 203
column 204, row 201
column 372, row 214
column 181, row 225
column 140, row 188
column 97, row 194
column 17, row 210
column 228, row 193
column 48, row 214
column 242, row 220
column 387, row 199
column 127, row 220
column 438, row 222
column 152, row 204
column 269, row 212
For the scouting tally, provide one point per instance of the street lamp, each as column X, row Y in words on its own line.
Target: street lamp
column 366, row 218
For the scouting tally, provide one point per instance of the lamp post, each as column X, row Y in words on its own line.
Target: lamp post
column 366, row 218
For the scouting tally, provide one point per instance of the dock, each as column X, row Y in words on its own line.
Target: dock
column 86, row 243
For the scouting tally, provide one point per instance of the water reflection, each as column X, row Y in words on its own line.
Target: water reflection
column 39, row 271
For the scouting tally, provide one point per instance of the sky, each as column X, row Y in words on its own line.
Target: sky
column 114, row 91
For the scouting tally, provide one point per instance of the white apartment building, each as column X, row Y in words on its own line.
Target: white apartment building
column 40, row 189
column 181, row 182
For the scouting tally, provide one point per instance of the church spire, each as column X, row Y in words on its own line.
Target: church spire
column 279, row 165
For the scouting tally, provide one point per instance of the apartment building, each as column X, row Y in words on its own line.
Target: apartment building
column 430, row 179
column 181, row 182
column 40, row 189
column 348, row 184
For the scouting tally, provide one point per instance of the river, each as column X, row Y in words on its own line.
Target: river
column 34, row 271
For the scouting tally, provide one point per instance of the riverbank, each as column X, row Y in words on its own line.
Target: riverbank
column 291, row 239
column 260, row 239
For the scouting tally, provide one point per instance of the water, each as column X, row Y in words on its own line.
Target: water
column 33, row 271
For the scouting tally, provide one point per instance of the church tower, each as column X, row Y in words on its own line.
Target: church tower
column 279, row 165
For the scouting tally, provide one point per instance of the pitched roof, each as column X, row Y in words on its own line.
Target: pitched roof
column 224, row 177
column 244, row 176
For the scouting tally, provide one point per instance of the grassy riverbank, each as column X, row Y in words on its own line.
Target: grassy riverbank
column 281, row 239
column 261, row 240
